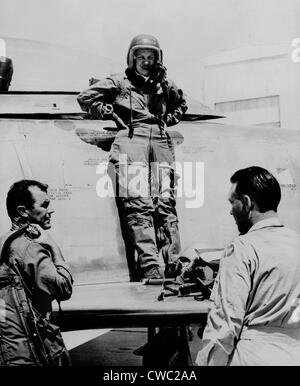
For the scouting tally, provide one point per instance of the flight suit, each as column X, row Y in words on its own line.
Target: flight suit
column 31, row 277
column 142, row 157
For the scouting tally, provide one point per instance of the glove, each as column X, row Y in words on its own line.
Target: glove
column 197, row 270
column 173, row 269
column 101, row 110
column 172, row 120
column 157, row 73
column 105, row 111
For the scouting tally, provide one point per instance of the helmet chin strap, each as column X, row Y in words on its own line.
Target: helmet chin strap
column 144, row 76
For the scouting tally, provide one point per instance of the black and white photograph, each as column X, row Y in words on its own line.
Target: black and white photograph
column 149, row 186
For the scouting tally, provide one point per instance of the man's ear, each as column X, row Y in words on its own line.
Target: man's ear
column 247, row 202
column 22, row 211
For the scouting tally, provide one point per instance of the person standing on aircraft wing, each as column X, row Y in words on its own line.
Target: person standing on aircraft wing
column 143, row 102
column 255, row 315
column 32, row 258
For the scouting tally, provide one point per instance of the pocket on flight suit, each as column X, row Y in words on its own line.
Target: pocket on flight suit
column 133, row 149
column 130, row 158
column 163, row 157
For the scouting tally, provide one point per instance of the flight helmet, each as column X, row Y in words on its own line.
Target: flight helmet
column 143, row 41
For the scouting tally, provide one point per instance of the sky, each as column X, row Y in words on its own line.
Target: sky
column 188, row 30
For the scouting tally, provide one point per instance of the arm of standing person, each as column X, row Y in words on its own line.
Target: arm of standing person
column 98, row 101
column 176, row 105
column 229, row 297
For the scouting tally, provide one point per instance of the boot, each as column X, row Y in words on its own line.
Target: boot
column 143, row 238
column 152, row 272
column 171, row 249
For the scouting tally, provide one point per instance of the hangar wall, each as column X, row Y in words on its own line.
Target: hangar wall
column 256, row 85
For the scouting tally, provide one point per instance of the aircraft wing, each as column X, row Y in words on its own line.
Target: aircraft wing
column 126, row 304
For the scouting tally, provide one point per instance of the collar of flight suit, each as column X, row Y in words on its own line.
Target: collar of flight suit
column 146, row 84
column 269, row 222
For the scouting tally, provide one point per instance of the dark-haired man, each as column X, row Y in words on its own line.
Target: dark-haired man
column 255, row 314
column 34, row 255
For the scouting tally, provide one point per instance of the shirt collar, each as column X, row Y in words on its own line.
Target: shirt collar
column 269, row 222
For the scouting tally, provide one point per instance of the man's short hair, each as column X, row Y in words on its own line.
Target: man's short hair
column 259, row 184
column 19, row 194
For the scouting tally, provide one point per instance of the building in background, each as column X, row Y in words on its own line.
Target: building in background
column 256, row 85
column 253, row 85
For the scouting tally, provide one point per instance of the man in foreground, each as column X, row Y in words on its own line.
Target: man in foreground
column 255, row 314
column 29, row 253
